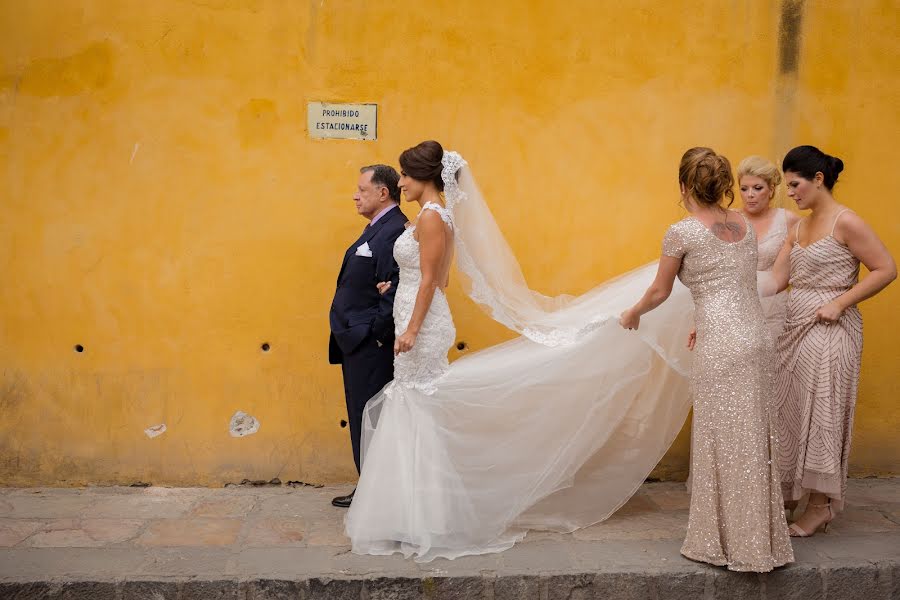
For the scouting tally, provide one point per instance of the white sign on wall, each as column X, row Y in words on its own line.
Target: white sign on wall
column 342, row 121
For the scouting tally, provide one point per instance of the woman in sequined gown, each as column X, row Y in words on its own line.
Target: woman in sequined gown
column 736, row 516
column 820, row 349
column 758, row 180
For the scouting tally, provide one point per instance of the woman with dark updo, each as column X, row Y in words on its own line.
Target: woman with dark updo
column 820, row 348
column 424, row 252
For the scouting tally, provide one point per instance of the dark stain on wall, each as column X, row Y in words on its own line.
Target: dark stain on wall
column 789, row 31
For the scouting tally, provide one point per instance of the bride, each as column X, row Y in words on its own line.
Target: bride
column 553, row 430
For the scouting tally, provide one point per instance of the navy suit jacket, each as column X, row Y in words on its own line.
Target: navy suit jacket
column 358, row 310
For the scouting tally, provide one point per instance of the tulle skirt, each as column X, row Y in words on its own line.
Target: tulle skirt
column 524, row 435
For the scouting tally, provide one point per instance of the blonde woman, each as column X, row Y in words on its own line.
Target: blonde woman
column 758, row 179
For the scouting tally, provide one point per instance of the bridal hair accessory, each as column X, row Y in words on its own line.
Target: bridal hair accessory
column 452, row 162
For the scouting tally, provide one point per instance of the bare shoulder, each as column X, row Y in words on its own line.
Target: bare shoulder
column 851, row 226
column 428, row 218
column 430, row 225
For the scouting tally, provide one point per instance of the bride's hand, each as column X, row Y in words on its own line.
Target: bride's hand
column 405, row 342
column 692, row 340
column 383, row 287
column 629, row 320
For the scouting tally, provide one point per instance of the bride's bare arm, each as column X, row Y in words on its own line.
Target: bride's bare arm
column 655, row 295
column 432, row 246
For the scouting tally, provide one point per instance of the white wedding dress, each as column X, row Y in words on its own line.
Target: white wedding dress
column 553, row 430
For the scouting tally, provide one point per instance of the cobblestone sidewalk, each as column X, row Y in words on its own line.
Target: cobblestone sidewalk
column 258, row 543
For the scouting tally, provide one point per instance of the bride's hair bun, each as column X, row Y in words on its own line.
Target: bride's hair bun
column 706, row 176
column 809, row 160
column 423, row 163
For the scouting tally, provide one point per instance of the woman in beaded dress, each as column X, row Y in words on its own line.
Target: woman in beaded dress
column 820, row 350
column 736, row 516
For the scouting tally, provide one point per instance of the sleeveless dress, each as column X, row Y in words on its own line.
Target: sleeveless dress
column 736, row 515
column 423, row 365
column 774, row 307
column 818, row 372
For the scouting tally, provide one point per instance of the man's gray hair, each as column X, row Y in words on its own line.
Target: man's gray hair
column 385, row 176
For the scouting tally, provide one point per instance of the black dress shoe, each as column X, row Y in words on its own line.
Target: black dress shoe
column 343, row 501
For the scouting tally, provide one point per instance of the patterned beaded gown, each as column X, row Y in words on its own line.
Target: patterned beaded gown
column 818, row 372
column 736, row 514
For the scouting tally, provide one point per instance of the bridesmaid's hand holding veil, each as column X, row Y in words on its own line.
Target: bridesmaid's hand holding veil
column 655, row 295
column 630, row 319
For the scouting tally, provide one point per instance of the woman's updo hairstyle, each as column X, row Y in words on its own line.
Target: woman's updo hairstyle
column 757, row 166
column 706, row 176
column 423, row 163
column 809, row 160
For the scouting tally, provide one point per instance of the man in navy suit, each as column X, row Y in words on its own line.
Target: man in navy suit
column 362, row 323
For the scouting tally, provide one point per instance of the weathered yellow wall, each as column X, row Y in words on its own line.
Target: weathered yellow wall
column 163, row 205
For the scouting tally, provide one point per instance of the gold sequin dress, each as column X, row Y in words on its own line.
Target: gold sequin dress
column 818, row 372
column 736, row 515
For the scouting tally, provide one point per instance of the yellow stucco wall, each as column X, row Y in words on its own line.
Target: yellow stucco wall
column 164, row 206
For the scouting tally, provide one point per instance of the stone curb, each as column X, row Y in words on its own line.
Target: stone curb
column 835, row 581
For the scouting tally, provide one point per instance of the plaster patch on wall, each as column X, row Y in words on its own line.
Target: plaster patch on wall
column 243, row 424
column 155, row 430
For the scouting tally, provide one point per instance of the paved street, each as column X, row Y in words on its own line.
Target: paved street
column 251, row 543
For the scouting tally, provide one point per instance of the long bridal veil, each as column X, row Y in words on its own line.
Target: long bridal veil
column 555, row 429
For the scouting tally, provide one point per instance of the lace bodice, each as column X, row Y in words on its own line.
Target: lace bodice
column 406, row 248
column 427, row 361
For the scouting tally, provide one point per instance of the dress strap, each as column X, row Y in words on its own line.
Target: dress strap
column 836, row 217
column 797, row 230
column 442, row 211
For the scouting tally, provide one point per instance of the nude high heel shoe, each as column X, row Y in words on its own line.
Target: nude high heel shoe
column 795, row 531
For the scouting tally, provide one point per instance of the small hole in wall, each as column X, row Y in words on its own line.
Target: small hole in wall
column 343, row 423
column 79, row 348
column 265, row 347
column 461, row 346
